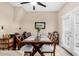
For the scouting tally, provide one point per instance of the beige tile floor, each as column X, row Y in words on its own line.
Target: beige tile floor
column 59, row 52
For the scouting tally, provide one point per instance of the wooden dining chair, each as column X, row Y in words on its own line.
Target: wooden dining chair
column 6, row 43
column 56, row 36
column 47, row 48
column 29, row 34
column 49, row 35
column 25, row 35
column 23, row 47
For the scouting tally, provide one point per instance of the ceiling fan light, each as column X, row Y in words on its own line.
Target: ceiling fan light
column 33, row 3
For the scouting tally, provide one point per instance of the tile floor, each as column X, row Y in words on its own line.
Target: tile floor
column 59, row 52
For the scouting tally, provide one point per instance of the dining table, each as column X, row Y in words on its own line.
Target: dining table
column 37, row 43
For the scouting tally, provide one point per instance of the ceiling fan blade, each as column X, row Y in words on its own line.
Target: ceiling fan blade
column 24, row 2
column 39, row 3
column 33, row 7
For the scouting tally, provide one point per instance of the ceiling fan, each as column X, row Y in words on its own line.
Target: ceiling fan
column 34, row 3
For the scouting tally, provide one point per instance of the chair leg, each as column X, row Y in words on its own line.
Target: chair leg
column 30, row 54
column 51, row 54
column 24, row 54
column 54, row 54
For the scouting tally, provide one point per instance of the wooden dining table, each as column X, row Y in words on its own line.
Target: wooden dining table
column 37, row 43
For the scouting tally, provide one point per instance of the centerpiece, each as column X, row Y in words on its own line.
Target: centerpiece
column 39, row 26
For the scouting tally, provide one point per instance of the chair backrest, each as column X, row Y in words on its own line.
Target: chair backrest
column 6, row 43
column 29, row 34
column 49, row 35
column 24, row 35
column 19, row 42
column 55, row 37
column 56, row 34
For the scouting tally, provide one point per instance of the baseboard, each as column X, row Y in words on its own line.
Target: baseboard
column 68, row 51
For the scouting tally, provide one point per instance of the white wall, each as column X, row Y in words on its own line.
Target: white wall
column 11, row 18
column 7, row 17
column 27, row 20
column 31, row 17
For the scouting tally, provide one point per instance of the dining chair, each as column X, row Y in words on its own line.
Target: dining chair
column 47, row 48
column 56, row 36
column 49, row 35
column 29, row 34
column 25, row 35
column 26, row 48
column 6, row 43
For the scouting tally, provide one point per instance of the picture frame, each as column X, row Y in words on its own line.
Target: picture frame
column 40, row 25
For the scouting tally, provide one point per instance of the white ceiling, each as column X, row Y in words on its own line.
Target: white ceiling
column 51, row 6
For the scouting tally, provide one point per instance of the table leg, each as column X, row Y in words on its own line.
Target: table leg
column 37, row 48
column 34, row 51
column 40, row 53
